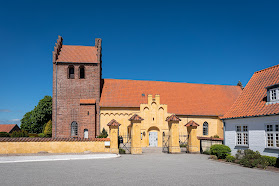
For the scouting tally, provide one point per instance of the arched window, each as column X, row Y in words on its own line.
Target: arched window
column 81, row 72
column 74, row 129
column 205, row 128
column 71, row 72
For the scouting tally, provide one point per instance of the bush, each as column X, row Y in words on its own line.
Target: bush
column 253, row 159
column 271, row 160
column 48, row 129
column 32, row 135
column 21, row 133
column 221, row 151
column 104, row 134
column 206, row 152
column 230, row 159
column 122, row 151
column 41, row 135
column 183, row 145
column 4, row 134
column 216, row 136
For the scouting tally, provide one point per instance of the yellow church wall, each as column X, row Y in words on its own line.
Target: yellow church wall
column 214, row 125
column 154, row 114
column 121, row 115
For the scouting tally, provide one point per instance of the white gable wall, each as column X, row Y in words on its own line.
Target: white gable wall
column 256, row 136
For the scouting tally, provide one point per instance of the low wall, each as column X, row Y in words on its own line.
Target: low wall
column 207, row 142
column 35, row 145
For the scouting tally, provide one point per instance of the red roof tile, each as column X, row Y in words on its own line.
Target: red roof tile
column 181, row 98
column 252, row 101
column 135, row 117
column 113, row 122
column 173, row 118
column 87, row 101
column 7, row 127
column 192, row 124
column 78, row 54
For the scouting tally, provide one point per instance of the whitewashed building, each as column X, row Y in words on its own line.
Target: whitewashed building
column 253, row 120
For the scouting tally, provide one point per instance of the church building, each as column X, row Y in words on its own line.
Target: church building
column 84, row 103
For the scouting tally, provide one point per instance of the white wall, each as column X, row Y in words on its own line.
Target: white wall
column 256, row 137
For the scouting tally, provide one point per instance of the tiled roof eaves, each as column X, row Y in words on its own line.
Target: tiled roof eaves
column 252, row 116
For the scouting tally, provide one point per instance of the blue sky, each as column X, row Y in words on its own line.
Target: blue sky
column 212, row 42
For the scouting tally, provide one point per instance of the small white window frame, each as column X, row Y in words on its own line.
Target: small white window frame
column 274, row 133
column 243, row 134
column 276, row 94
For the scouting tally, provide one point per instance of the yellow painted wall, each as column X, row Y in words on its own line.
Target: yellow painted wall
column 52, row 147
column 154, row 115
column 215, row 125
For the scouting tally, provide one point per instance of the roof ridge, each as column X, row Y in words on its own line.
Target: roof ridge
column 78, row 45
column 171, row 82
column 266, row 69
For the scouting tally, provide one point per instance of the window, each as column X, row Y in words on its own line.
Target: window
column 272, row 136
column 85, row 133
column 81, row 72
column 71, row 72
column 242, row 135
column 205, row 128
column 273, row 94
column 74, row 129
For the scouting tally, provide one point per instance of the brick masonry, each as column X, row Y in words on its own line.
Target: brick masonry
column 69, row 94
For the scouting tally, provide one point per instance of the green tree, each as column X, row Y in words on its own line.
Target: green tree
column 48, row 129
column 34, row 121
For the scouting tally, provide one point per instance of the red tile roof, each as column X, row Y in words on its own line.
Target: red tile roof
column 135, row 117
column 87, row 101
column 181, row 98
column 78, row 54
column 113, row 122
column 252, row 101
column 192, row 124
column 173, row 118
column 7, row 127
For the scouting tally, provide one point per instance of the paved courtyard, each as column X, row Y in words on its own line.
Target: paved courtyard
column 148, row 169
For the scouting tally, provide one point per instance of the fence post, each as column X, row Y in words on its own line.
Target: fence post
column 136, row 134
column 173, row 122
column 193, row 141
column 113, row 135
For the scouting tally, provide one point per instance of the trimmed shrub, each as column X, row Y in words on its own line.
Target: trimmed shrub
column 271, row 160
column 122, row 151
column 216, row 136
column 221, row 151
column 41, row 135
column 4, row 134
column 32, row 135
column 230, row 158
column 17, row 134
column 253, row 159
column 104, row 134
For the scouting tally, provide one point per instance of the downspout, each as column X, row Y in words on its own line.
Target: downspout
column 224, row 130
column 56, row 99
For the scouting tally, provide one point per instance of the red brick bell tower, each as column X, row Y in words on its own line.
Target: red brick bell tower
column 77, row 72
